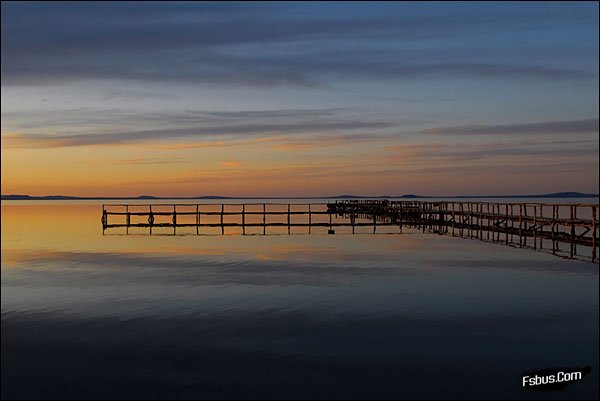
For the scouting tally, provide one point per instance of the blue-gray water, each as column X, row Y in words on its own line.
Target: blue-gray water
column 344, row 316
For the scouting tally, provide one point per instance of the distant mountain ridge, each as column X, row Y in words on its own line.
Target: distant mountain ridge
column 66, row 197
column 345, row 196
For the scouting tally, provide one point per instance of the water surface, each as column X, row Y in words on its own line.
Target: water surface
column 337, row 316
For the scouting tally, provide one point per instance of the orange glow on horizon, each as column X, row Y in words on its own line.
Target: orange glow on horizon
column 279, row 166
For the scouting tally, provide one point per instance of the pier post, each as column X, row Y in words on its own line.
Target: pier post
column 453, row 218
column 244, row 219
column 512, row 223
column 553, row 228
column 104, row 219
column 496, row 222
column 573, row 215
column 492, row 222
column 506, row 223
column 423, row 217
column 264, row 219
column 525, row 224
column 541, row 226
column 462, row 218
column 375, row 223
column 331, row 230
column 467, row 221
column 401, row 217
column 480, row 220
column 534, row 226
column 499, row 221
column 222, row 211
column 174, row 220
column 487, row 209
column 520, row 225
column 594, row 244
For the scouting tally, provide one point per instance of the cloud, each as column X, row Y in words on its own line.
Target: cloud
column 230, row 163
column 586, row 126
column 271, row 114
column 116, row 118
column 266, row 44
column 217, row 144
column 16, row 140
column 308, row 142
column 151, row 161
column 285, row 173
column 530, row 168
column 440, row 157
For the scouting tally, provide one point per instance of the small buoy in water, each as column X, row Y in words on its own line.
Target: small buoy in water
column 330, row 231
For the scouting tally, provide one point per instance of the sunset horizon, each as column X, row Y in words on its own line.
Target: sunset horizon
column 171, row 99
column 242, row 200
column 565, row 194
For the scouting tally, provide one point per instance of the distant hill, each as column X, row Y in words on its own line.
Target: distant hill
column 65, row 197
column 348, row 197
column 553, row 195
column 413, row 196
column 345, row 196
column 380, row 196
column 568, row 195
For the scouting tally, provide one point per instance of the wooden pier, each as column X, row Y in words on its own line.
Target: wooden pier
column 245, row 215
column 544, row 226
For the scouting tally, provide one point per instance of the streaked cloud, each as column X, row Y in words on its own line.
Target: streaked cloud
column 15, row 140
column 113, row 118
column 151, row 160
column 468, row 153
column 268, row 45
column 586, row 126
column 293, row 143
column 230, row 163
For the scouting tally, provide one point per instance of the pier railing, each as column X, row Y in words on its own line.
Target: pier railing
column 536, row 225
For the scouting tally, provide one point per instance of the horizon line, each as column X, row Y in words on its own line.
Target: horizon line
column 565, row 194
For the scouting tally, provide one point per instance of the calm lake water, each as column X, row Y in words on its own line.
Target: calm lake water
column 407, row 315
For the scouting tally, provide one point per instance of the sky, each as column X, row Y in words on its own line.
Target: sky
column 299, row 99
